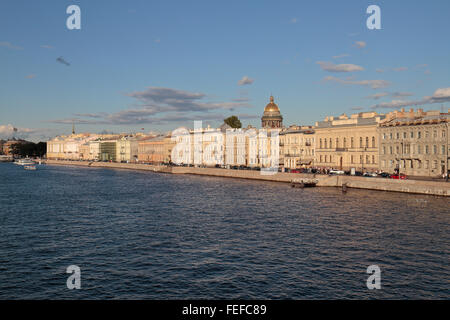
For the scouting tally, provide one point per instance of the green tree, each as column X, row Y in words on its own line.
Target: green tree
column 29, row 149
column 233, row 122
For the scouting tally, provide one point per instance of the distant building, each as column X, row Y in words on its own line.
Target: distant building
column 127, row 149
column 108, row 150
column 348, row 142
column 297, row 147
column 156, row 150
column 415, row 142
column 1, row 146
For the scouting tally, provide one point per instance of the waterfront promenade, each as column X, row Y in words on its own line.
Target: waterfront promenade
column 382, row 184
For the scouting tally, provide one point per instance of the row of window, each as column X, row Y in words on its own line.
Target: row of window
column 328, row 143
column 412, row 134
column 416, row 149
column 411, row 164
column 362, row 160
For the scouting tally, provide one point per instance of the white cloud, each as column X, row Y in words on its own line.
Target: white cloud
column 331, row 67
column 374, row 84
column 293, row 20
column 159, row 105
column 30, row 76
column 9, row 131
column 442, row 94
column 245, row 80
column 379, row 70
column 439, row 96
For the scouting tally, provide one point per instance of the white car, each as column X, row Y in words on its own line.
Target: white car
column 333, row 171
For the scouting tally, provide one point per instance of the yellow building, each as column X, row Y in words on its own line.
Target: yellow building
column 156, row 150
column 297, row 147
column 127, row 149
column 415, row 142
column 348, row 142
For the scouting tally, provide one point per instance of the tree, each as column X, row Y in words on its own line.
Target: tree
column 233, row 122
column 29, row 149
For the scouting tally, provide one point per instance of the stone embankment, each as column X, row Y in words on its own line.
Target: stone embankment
column 408, row 186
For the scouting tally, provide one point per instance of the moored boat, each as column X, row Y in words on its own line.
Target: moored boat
column 29, row 167
column 25, row 162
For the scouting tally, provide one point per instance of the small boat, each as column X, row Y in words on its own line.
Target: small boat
column 29, row 167
column 303, row 183
column 25, row 162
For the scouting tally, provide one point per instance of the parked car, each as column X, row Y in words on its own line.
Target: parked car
column 398, row 176
column 384, row 175
column 370, row 174
column 333, row 171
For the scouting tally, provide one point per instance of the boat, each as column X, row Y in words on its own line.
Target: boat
column 4, row 158
column 304, row 183
column 25, row 162
column 29, row 167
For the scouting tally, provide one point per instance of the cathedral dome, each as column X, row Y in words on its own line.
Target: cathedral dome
column 271, row 117
column 271, row 107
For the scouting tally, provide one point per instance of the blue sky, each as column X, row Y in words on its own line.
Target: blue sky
column 158, row 65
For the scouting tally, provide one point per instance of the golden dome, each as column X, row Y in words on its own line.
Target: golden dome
column 271, row 106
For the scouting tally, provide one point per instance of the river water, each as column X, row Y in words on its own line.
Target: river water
column 145, row 235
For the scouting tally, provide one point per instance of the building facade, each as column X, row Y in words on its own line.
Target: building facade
column 127, row 149
column 297, row 147
column 348, row 142
column 415, row 143
column 155, row 150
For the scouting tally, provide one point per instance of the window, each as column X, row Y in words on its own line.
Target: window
column 435, row 164
column 367, row 142
column 367, row 159
column 373, row 142
column 331, row 144
column 412, row 134
column 373, row 159
column 443, row 149
column 337, row 142
column 397, row 149
column 390, row 135
column 384, row 136
column 443, row 134
column 404, row 135
column 398, row 135
column 418, row 149
column 320, row 141
column 360, row 142
column 351, row 159
column 419, row 134
column 352, row 143
column 434, row 149
column 427, row 151
column 384, row 150
column 325, row 141
column 345, row 143
column 390, row 150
